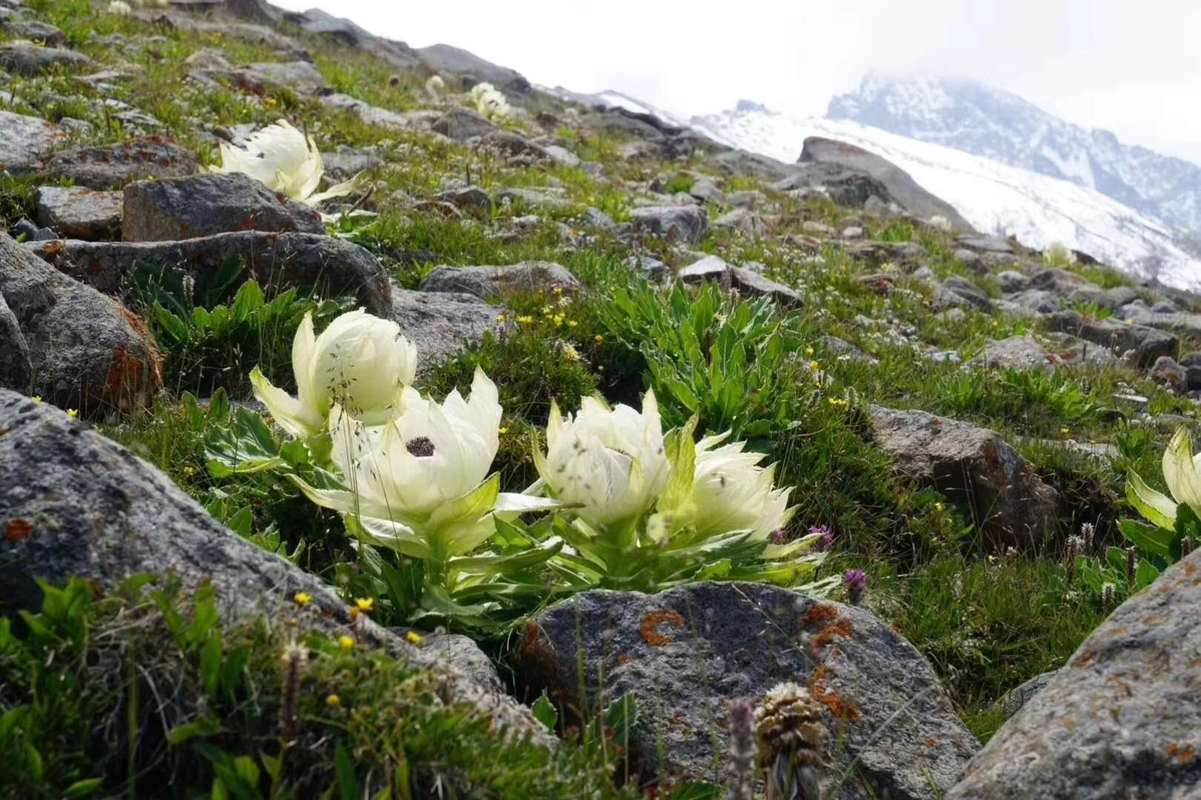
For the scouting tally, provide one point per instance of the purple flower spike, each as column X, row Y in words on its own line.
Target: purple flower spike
column 827, row 534
column 855, row 581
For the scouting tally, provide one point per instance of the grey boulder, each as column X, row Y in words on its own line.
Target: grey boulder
column 26, row 141
column 1119, row 720
column 686, row 224
column 28, row 60
column 1141, row 344
column 86, row 351
column 89, row 508
column 975, row 468
column 320, row 265
column 79, row 213
column 686, row 653
column 16, row 372
column 746, row 282
column 115, row 165
column 441, row 324
column 203, row 205
column 488, row 282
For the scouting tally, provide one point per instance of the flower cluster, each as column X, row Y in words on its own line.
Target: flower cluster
column 286, row 161
column 633, row 504
column 490, row 102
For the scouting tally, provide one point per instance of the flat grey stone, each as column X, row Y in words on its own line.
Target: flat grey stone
column 80, row 213
column 686, row 224
column 488, row 282
column 25, row 142
column 442, row 324
column 113, row 166
column 29, row 60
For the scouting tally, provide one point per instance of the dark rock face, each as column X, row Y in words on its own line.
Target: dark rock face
column 26, row 141
column 86, row 351
column 15, row 370
column 79, row 213
column 442, row 323
column 901, row 187
column 685, row 653
column 1144, row 344
column 28, row 60
column 1121, row 719
column 203, row 205
column 974, row 467
column 114, row 166
column 460, row 124
column 323, row 265
column 744, row 281
column 97, row 511
column 472, row 69
column 487, row 282
column 843, row 185
column 686, row 224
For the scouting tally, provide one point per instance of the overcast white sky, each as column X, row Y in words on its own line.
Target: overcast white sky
column 1131, row 67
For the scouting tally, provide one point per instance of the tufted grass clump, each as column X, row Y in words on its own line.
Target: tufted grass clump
column 145, row 690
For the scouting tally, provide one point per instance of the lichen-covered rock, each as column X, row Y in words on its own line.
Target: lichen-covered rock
column 202, row 205
column 1016, row 352
column 460, row 124
column 76, row 212
column 1143, row 344
column 973, row 467
column 87, row 507
column 115, row 165
column 1119, row 720
column 322, row 265
column 488, row 282
column 686, row 653
column 25, row 141
column 686, row 224
column 86, row 351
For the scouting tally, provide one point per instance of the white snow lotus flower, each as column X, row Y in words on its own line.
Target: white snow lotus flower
column 120, row 8
column 435, row 86
column 420, row 483
column 286, row 161
column 360, row 362
column 731, row 492
column 1182, row 474
column 490, row 102
column 610, row 462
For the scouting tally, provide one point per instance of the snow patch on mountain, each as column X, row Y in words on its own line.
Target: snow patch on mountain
column 993, row 197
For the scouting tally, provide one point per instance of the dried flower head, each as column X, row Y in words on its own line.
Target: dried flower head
column 742, row 749
column 792, row 741
column 855, row 581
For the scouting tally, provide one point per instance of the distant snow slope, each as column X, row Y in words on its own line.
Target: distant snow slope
column 993, row 197
column 989, row 122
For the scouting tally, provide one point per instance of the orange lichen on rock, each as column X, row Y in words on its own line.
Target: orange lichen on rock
column 17, row 530
column 1181, row 753
column 842, row 708
column 819, row 615
column 840, row 629
column 650, row 626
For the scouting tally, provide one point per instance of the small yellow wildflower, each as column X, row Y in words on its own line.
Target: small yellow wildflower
column 362, row 605
column 37, row 398
column 345, row 642
column 333, row 701
column 302, row 599
column 558, row 290
column 1065, row 430
column 72, row 413
column 525, row 319
column 939, row 506
column 813, row 365
column 502, row 430
column 570, row 353
column 501, row 318
column 808, row 351
column 571, row 323
column 415, row 638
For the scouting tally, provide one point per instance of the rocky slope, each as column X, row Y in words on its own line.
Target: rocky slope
column 955, row 413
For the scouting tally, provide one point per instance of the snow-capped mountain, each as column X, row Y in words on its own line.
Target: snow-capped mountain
column 988, row 122
column 993, row 197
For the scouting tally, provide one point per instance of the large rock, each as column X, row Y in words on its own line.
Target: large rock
column 488, row 282
column 299, row 76
column 685, row 653
column 1016, row 352
column 685, row 224
column 79, row 213
column 441, row 324
column 472, row 69
column 28, row 60
column 973, row 467
column 16, row 371
column 1144, row 345
column 714, row 269
column 901, row 187
column 87, row 507
column 460, row 124
column 1120, row 720
column 25, row 141
column 202, row 205
column 320, row 265
column 373, row 115
column 115, row 165
column 86, row 351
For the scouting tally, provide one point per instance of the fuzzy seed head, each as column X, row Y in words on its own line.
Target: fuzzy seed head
column 789, row 724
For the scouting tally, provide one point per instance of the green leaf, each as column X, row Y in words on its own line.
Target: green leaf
column 545, row 712
column 1149, row 539
column 621, row 716
column 348, row 786
column 83, row 788
column 200, row 727
column 210, row 664
column 695, row 790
